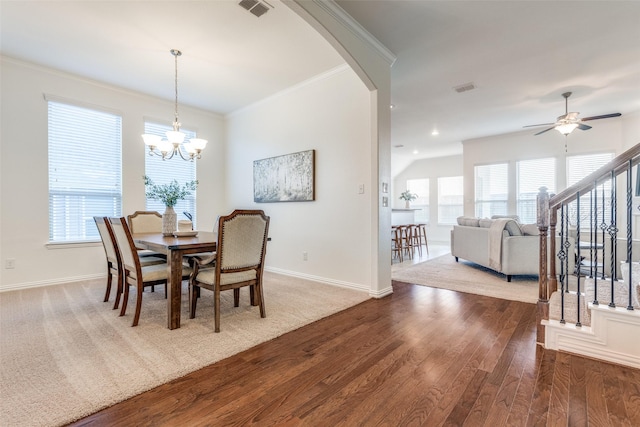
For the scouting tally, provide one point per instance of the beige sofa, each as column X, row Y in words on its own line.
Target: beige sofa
column 501, row 244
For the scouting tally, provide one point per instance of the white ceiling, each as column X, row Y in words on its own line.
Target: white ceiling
column 521, row 56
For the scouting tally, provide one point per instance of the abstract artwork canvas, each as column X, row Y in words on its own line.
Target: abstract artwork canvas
column 288, row 178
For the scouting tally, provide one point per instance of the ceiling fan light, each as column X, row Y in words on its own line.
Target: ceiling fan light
column 566, row 128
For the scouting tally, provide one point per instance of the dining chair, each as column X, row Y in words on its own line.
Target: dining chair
column 114, row 262
column 238, row 261
column 114, row 265
column 145, row 222
column 133, row 272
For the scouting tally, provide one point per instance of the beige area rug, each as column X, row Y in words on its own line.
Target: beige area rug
column 444, row 272
column 65, row 354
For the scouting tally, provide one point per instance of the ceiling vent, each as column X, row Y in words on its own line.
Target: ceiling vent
column 258, row 8
column 464, row 88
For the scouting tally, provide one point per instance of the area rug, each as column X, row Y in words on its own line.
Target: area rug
column 65, row 354
column 463, row 276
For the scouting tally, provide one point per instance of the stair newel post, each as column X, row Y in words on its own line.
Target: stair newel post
column 542, row 213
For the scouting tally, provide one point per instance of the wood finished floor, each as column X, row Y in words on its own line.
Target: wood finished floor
column 420, row 357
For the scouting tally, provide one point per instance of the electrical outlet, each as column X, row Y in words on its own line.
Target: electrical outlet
column 10, row 263
column 360, row 188
column 304, row 256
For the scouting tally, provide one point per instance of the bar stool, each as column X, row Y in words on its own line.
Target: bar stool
column 420, row 237
column 396, row 243
column 406, row 240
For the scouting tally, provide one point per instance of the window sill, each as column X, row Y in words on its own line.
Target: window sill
column 72, row 245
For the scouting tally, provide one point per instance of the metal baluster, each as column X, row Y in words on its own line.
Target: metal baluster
column 564, row 265
column 578, row 324
column 603, row 227
column 629, row 225
column 613, row 232
column 595, row 235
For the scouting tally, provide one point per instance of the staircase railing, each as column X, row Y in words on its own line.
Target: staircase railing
column 601, row 218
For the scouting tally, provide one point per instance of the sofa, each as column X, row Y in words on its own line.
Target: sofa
column 501, row 244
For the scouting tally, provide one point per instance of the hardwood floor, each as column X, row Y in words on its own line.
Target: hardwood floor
column 421, row 356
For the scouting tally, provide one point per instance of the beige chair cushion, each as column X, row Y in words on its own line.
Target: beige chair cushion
column 208, row 276
column 155, row 272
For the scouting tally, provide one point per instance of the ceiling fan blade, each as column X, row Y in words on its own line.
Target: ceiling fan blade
column 605, row 116
column 582, row 126
column 546, row 130
column 541, row 124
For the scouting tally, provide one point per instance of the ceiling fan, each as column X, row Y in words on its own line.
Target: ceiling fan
column 568, row 122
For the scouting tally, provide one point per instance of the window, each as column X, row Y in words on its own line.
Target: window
column 164, row 171
column 421, row 188
column 578, row 167
column 531, row 175
column 450, row 199
column 85, row 178
column 492, row 190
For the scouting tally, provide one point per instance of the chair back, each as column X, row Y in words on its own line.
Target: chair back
column 108, row 240
column 145, row 222
column 242, row 241
column 127, row 248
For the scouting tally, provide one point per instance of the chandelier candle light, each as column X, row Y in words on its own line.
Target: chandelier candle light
column 174, row 142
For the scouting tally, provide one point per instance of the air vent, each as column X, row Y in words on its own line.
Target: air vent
column 464, row 88
column 258, row 8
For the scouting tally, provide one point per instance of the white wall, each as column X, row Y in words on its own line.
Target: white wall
column 432, row 169
column 332, row 116
column 24, row 224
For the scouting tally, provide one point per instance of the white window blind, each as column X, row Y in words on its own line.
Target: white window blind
column 450, row 199
column 578, row 167
column 420, row 187
column 85, row 178
column 492, row 189
column 164, row 171
column 531, row 175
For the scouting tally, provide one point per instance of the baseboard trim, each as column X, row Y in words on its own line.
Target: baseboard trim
column 318, row 279
column 51, row 282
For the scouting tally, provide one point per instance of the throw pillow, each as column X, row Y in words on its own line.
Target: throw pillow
column 530, row 229
column 513, row 228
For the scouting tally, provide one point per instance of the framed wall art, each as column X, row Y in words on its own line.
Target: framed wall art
column 287, row 178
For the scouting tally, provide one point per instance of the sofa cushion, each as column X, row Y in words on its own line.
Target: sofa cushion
column 468, row 221
column 485, row 223
column 515, row 217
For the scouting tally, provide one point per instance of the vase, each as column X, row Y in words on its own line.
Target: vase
column 407, row 204
column 169, row 220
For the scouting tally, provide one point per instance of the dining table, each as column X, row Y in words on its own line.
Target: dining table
column 175, row 248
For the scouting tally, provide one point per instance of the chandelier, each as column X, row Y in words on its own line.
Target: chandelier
column 174, row 143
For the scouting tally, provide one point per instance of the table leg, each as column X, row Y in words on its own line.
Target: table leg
column 174, row 290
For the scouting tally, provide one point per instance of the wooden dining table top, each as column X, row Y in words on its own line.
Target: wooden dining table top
column 157, row 241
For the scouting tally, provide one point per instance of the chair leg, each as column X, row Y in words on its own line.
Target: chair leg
column 136, row 316
column 252, row 295
column 109, row 279
column 236, row 297
column 260, row 296
column 216, row 308
column 193, row 296
column 125, row 298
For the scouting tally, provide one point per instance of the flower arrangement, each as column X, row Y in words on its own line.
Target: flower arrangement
column 170, row 193
column 408, row 196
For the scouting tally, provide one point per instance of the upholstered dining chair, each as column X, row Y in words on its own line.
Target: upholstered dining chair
column 237, row 262
column 114, row 262
column 114, row 265
column 145, row 222
column 133, row 272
